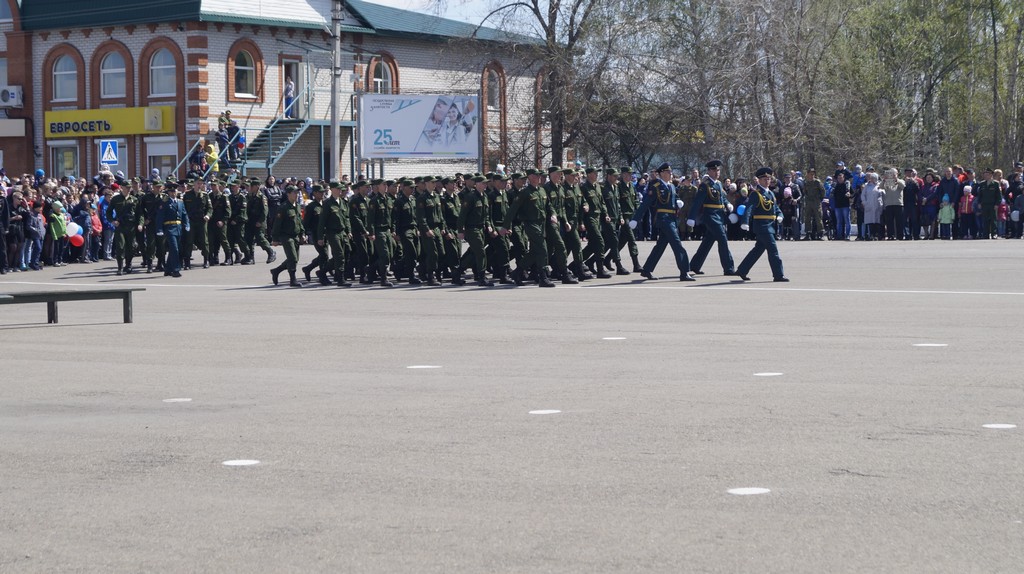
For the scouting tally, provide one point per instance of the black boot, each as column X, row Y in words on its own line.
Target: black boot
column 432, row 279
column 568, row 278
column 581, row 272
column 120, row 266
column 385, row 283
column 292, row 282
column 543, row 280
column 503, row 277
column 307, row 270
column 647, row 275
column 276, row 271
column 271, row 255
column 238, row 256
column 619, row 269
column 636, row 264
column 517, row 277
column 149, row 267
column 206, row 263
column 457, row 277
column 322, row 277
column 482, row 281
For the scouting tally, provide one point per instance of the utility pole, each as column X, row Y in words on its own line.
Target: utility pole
column 336, row 13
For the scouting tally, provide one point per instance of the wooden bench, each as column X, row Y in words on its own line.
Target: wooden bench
column 51, row 298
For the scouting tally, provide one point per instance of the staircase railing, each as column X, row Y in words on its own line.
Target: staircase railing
column 226, row 151
column 310, row 98
column 188, row 155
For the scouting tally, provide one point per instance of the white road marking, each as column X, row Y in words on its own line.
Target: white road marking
column 241, row 462
column 613, row 339
column 177, row 400
column 999, row 426
column 931, row 344
column 740, row 287
column 423, row 367
column 545, row 412
column 748, row 491
column 767, row 374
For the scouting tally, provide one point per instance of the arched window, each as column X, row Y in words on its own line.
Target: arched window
column 162, row 70
column 382, row 82
column 245, row 75
column 112, row 76
column 493, row 90
column 65, row 80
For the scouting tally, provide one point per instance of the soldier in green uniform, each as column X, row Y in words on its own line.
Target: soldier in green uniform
column 430, row 222
column 218, row 224
column 288, row 231
column 530, row 209
column 311, row 223
column 379, row 220
column 394, row 190
column 627, row 207
column 475, row 225
column 152, row 201
column 612, row 221
column 813, row 195
column 573, row 205
column 335, row 230
column 362, row 245
column 197, row 204
column 239, row 215
column 450, row 208
column 518, row 248
column 764, row 212
column 594, row 210
column 408, row 234
column 497, row 244
column 255, row 226
column 713, row 207
column 124, row 210
column 556, row 225
column 686, row 193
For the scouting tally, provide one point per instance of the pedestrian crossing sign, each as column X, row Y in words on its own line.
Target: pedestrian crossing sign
column 108, row 152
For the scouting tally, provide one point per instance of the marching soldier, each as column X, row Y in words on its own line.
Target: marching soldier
column 474, row 225
column 334, row 230
column 574, row 218
column 687, row 193
column 362, row 245
column 219, row 217
column 152, row 201
column 236, row 223
column 713, row 207
column 450, row 208
column 430, row 221
column 125, row 212
column 594, row 215
column 529, row 208
column 311, row 223
column 627, row 207
column 199, row 208
column 173, row 221
column 405, row 224
column 498, row 255
column 518, row 249
column 611, row 222
column 380, row 222
column 764, row 211
column 288, row 232
column 556, row 224
column 255, row 225
column 661, row 197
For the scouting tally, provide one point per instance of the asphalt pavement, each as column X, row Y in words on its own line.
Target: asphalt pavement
column 590, row 428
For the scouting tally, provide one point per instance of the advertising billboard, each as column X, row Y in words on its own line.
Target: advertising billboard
column 419, row 126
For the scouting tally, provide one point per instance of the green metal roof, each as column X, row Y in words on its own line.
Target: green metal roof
column 49, row 14
column 388, row 21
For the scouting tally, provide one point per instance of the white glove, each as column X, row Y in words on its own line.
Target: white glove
column 691, row 223
column 632, row 224
column 745, row 227
column 679, row 204
column 778, row 218
column 728, row 206
column 159, row 233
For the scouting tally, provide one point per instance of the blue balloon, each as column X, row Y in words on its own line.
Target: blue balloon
column 80, row 230
column 741, row 210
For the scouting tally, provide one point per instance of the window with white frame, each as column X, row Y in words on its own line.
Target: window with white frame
column 381, row 78
column 65, row 79
column 162, row 72
column 112, row 76
column 493, row 90
column 245, row 75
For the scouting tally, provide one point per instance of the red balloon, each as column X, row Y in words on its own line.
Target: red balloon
column 77, row 240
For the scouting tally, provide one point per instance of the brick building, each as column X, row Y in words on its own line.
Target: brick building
column 154, row 75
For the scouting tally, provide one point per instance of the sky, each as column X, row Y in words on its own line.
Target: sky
column 471, row 11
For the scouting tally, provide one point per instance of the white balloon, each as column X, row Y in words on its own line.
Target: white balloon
column 691, row 223
column 733, row 218
column 632, row 224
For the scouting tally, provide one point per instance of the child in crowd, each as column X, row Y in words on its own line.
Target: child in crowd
column 788, row 207
column 97, row 233
column 946, row 217
column 1002, row 214
column 966, row 212
column 58, row 233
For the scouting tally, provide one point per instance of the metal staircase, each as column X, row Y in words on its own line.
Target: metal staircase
column 272, row 143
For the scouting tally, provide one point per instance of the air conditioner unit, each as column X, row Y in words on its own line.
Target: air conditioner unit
column 11, row 97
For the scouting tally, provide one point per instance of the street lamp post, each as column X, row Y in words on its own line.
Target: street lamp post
column 336, row 13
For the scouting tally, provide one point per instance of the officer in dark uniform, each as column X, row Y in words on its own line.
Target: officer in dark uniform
column 173, row 221
column 764, row 214
column 712, row 205
column 661, row 198
column 288, row 232
column 530, row 211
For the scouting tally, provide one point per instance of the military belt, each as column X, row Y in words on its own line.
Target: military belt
column 713, row 206
column 764, row 217
column 666, row 211
column 174, row 222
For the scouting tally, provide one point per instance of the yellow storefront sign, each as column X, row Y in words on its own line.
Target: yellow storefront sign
column 110, row 122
